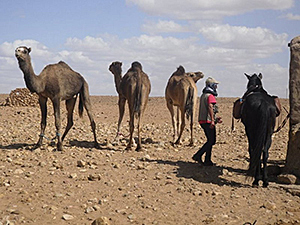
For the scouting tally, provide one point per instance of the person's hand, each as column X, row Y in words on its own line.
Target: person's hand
column 212, row 125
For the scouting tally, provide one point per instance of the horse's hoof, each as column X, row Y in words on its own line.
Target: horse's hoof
column 265, row 184
column 255, row 184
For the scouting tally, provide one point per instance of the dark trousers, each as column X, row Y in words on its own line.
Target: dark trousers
column 210, row 134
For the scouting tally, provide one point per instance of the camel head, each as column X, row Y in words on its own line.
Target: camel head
column 195, row 75
column 116, row 68
column 22, row 53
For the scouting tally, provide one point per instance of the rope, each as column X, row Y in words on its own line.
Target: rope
column 49, row 139
column 283, row 122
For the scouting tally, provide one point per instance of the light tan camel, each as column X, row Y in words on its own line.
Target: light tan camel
column 181, row 91
column 57, row 82
column 135, row 88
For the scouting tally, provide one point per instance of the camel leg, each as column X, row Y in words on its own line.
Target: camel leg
column 178, row 121
column 43, row 106
column 88, row 108
column 131, row 129
column 171, row 109
column 139, row 145
column 181, row 127
column 191, row 129
column 70, row 103
column 121, row 104
column 56, row 107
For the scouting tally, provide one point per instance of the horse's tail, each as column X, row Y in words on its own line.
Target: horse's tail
column 83, row 97
column 189, row 104
column 138, row 93
column 263, row 132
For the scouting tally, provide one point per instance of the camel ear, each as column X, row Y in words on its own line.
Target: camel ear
column 260, row 76
column 248, row 76
column 29, row 50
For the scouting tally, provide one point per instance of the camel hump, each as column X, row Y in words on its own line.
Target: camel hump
column 179, row 72
column 136, row 65
column 63, row 64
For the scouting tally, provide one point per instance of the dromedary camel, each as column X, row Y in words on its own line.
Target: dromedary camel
column 57, row 82
column 181, row 91
column 135, row 88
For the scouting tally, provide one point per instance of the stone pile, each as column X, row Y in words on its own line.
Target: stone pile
column 21, row 97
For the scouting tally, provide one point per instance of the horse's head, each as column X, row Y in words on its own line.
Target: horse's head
column 254, row 80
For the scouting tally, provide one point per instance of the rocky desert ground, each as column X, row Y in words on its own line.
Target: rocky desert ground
column 160, row 185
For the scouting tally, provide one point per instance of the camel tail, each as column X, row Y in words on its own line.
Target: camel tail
column 138, row 92
column 83, row 97
column 189, row 104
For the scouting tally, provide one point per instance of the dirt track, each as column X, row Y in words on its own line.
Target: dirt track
column 161, row 185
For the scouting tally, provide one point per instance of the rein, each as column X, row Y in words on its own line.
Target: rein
column 283, row 122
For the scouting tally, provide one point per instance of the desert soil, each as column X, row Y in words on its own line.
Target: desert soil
column 160, row 185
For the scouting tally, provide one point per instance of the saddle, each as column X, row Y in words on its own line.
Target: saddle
column 237, row 107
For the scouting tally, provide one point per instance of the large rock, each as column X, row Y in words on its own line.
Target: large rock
column 287, row 178
column 293, row 153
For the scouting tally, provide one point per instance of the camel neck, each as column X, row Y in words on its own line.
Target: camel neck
column 30, row 78
column 118, row 79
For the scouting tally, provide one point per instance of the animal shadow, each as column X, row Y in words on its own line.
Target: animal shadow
column 18, row 146
column 203, row 174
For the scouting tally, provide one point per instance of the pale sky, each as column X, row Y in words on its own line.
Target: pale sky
column 222, row 38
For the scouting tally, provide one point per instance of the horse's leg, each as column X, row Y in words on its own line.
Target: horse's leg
column 121, row 104
column 265, row 160
column 173, row 117
column 56, row 107
column 181, row 126
column 70, row 103
column 43, row 106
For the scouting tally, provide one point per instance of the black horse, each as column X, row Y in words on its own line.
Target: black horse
column 258, row 114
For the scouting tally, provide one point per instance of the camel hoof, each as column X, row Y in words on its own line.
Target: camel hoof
column 139, row 149
column 59, row 147
column 96, row 145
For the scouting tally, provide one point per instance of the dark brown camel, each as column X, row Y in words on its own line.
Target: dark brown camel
column 181, row 91
column 135, row 88
column 57, row 82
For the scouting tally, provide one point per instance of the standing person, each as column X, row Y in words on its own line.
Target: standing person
column 207, row 120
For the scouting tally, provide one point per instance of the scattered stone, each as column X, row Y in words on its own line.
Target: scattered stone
column 287, row 178
column 89, row 210
column 67, row 217
column 94, row 177
column 101, row 221
column 81, row 163
column 18, row 171
column 269, row 206
column 73, row 175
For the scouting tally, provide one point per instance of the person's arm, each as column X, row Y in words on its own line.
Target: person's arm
column 211, row 114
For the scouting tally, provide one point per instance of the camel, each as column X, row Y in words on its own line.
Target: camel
column 57, row 82
column 134, row 87
column 181, row 91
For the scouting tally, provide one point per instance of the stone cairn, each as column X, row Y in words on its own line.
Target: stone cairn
column 21, row 97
